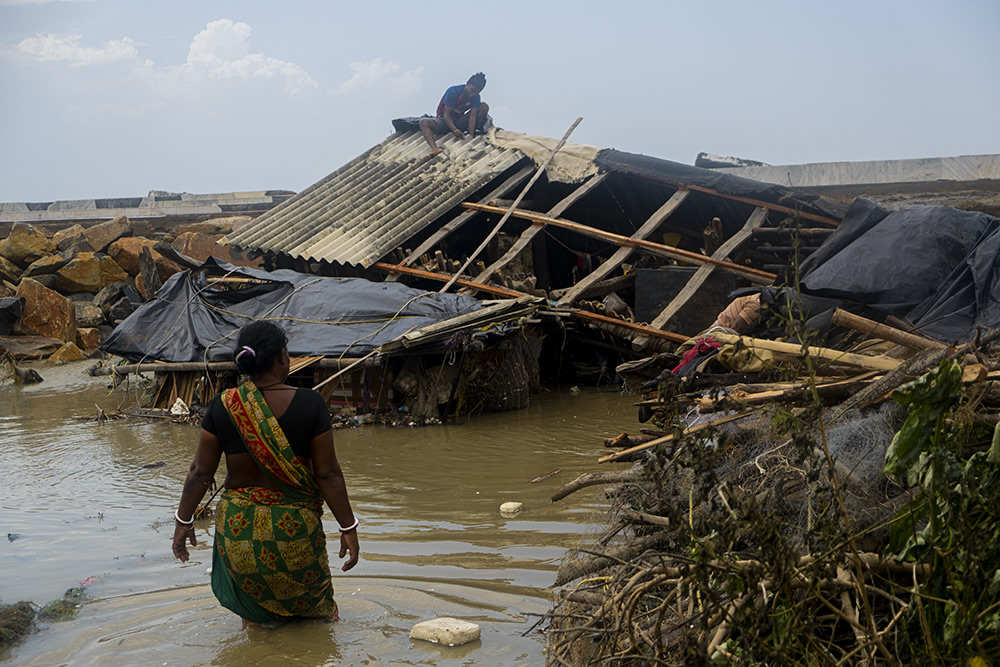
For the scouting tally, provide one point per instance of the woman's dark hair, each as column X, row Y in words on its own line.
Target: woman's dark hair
column 478, row 80
column 258, row 345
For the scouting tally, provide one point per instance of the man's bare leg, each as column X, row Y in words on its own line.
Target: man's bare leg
column 427, row 126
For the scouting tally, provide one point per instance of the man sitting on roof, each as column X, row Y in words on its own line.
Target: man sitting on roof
column 459, row 111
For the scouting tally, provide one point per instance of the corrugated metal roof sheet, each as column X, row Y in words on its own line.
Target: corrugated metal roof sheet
column 370, row 206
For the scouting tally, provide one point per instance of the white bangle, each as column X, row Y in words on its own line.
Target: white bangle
column 351, row 527
column 178, row 519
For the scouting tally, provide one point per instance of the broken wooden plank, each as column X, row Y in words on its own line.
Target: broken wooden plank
column 461, row 219
column 602, row 288
column 756, row 219
column 615, row 261
column 419, row 273
column 804, row 392
column 506, row 215
column 884, row 331
column 528, row 234
column 754, row 275
column 794, row 349
column 667, row 438
column 629, row 326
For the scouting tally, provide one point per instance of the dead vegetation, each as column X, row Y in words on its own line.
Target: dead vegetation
column 813, row 527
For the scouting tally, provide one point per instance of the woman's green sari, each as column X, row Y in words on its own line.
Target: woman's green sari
column 270, row 562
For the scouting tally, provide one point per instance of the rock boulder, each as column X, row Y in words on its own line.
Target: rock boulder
column 68, row 352
column 88, row 315
column 71, row 238
column 125, row 252
column 29, row 347
column 121, row 309
column 89, row 272
column 46, row 312
column 88, row 339
column 25, row 244
column 102, row 235
column 11, row 308
column 9, row 270
column 203, row 246
column 48, row 265
column 215, row 225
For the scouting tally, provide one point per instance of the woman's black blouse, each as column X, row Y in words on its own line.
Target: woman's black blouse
column 305, row 418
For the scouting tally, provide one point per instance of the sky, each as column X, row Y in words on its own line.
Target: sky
column 114, row 98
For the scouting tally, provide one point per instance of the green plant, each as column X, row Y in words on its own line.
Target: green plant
column 953, row 524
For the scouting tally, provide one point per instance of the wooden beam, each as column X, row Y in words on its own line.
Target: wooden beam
column 755, row 275
column 756, row 202
column 461, row 219
column 598, row 289
column 430, row 275
column 695, row 282
column 506, row 215
column 615, row 261
column 642, row 329
column 884, row 331
column 528, row 234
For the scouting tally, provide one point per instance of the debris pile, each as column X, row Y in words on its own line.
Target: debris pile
column 797, row 503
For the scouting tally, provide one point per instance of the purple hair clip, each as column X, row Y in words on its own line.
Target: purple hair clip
column 246, row 350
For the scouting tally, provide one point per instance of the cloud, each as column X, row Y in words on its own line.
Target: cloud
column 382, row 74
column 222, row 50
column 7, row 3
column 54, row 47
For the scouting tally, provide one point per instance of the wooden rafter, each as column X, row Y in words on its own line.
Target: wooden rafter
column 419, row 273
column 756, row 202
column 695, row 282
column 755, row 275
column 500, row 291
column 528, row 234
column 462, row 218
column 623, row 253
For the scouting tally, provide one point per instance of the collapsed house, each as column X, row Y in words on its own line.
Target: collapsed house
column 609, row 257
column 601, row 243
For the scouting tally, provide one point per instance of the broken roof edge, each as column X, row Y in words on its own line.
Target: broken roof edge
column 676, row 173
column 574, row 163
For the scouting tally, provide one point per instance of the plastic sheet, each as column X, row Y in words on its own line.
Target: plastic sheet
column 934, row 266
column 192, row 319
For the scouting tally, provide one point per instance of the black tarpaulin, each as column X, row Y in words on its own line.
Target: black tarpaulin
column 658, row 169
column 192, row 319
column 935, row 266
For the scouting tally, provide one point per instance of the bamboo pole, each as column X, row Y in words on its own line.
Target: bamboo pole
column 182, row 366
column 884, row 331
column 878, row 363
column 513, row 206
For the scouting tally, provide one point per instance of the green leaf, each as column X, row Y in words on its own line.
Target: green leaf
column 994, row 454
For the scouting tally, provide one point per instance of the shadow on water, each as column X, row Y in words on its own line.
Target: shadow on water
column 432, row 539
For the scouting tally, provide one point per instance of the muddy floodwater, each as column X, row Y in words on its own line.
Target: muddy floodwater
column 79, row 507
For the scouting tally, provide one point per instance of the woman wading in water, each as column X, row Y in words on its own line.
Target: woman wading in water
column 269, row 562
